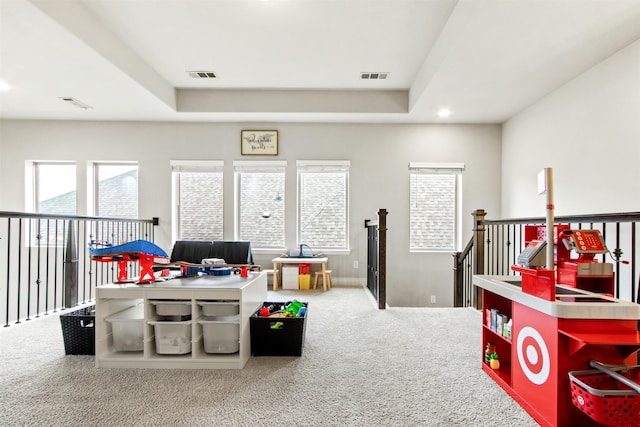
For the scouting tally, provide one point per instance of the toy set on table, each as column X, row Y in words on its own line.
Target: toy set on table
column 152, row 256
column 143, row 251
column 220, row 269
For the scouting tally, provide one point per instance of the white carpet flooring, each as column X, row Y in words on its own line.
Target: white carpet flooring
column 360, row 367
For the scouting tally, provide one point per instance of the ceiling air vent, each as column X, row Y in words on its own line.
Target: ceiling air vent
column 75, row 102
column 374, row 76
column 202, row 74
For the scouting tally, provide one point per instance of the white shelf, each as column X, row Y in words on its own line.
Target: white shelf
column 245, row 295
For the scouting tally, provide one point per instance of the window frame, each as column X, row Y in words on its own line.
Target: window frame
column 455, row 169
column 32, row 202
column 320, row 166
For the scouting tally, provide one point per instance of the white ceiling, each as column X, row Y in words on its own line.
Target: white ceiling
column 300, row 60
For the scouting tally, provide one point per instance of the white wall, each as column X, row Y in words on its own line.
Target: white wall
column 588, row 131
column 379, row 178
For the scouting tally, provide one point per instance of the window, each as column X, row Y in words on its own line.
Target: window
column 51, row 189
column 434, row 215
column 260, row 203
column 55, row 188
column 323, row 188
column 197, row 200
column 116, row 190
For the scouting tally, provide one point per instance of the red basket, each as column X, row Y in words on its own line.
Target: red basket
column 605, row 399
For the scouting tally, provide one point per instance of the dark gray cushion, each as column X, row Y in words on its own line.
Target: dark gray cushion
column 232, row 251
column 193, row 251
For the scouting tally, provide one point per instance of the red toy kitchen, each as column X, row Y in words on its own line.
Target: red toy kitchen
column 567, row 349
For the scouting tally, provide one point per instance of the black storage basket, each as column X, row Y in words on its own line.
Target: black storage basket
column 78, row 331
column 277, row 336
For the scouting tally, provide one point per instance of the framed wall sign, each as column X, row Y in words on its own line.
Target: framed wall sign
column 259, row 142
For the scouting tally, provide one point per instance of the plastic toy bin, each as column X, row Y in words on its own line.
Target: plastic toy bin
column 221, row 336
column 304, row 276
column 219, row 308
column 78, row 331
column 277, row 336
column 172, row 307
column 304, row 281
column 127, row 328
column 172, row 337
column 605, row 399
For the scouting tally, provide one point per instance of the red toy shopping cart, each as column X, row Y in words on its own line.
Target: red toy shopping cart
column 609, row 394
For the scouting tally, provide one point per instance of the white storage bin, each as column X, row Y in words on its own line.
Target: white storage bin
column 290, row 277
column 127, row 327
column 220, row 337
column 172, row 337
column 172, row 307
column 219, row 308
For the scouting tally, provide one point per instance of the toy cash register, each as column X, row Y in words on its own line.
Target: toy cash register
column 585, row 272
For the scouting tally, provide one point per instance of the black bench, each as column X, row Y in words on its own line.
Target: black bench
column 235, row 252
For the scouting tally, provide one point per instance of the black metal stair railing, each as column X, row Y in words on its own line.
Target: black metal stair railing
column 45, row 262
column 496, row 245
column 377, row 257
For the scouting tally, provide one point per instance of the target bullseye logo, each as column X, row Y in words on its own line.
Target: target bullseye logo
column 533, row 355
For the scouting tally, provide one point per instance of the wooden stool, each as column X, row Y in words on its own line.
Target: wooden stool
column 319, row 275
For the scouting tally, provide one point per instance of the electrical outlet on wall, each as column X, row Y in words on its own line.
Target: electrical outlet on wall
column 355, row 264
column 433, row 299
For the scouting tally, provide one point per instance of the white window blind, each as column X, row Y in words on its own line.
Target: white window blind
column 198, row 199
column 435, row 190
column 323, row 209
column 260, row 203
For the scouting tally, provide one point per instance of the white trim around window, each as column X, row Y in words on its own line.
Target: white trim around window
column 196, row 165
column 418, row 167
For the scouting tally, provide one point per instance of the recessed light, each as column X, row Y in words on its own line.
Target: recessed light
column 4, row 86
column 444, row 112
